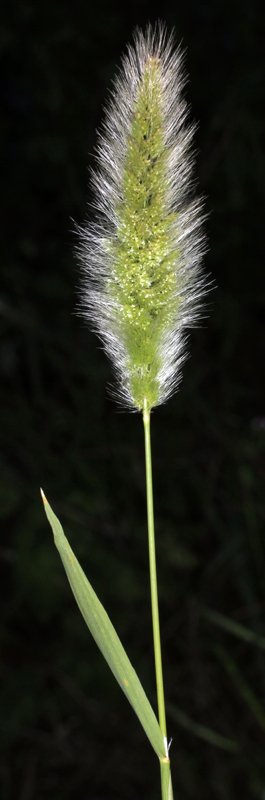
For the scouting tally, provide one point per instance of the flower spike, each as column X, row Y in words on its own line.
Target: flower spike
column 141, row 258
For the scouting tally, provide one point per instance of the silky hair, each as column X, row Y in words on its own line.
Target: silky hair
column 141, row 278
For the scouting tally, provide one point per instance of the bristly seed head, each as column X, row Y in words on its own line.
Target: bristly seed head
column 142, row 283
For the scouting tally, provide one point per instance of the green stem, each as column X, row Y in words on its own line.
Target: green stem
column 164, row 763
column 166, row 784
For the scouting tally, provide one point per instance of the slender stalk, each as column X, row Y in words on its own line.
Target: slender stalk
column 166, row 785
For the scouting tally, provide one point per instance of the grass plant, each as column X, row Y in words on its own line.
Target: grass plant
column 141, row 288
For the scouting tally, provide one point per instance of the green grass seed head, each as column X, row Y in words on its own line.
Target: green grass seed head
column 141, row 257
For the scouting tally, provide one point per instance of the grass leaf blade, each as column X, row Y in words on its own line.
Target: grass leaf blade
column 231, row 626
column 105, row 635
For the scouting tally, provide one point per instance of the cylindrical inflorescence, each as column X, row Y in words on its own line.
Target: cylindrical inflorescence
column 141, row 257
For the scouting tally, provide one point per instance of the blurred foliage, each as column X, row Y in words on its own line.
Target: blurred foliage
column 60, row 429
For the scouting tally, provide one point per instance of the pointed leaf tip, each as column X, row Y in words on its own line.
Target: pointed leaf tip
column 59, row 537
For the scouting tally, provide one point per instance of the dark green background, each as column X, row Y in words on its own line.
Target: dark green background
column 66, row 730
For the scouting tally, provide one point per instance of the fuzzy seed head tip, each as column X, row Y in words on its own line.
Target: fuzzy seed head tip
column 141, row 256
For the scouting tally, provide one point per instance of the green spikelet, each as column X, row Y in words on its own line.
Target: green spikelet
column 143, row 276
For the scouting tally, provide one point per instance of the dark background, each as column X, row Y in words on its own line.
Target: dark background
column 67, row 732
